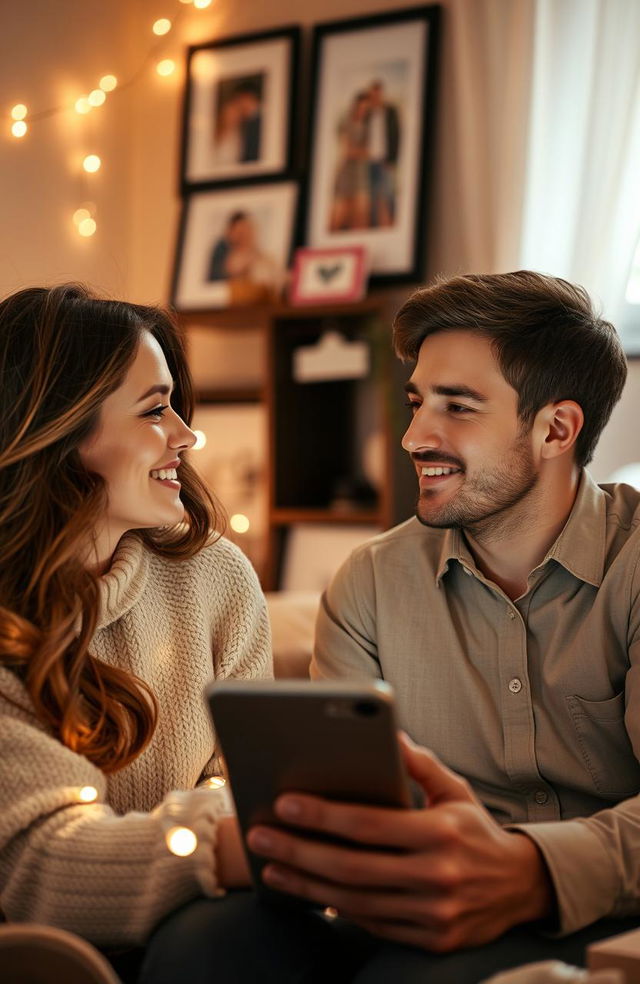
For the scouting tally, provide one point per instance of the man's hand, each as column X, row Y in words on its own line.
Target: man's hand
column 442, row 877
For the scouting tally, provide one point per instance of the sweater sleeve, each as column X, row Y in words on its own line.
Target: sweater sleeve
column 78, row 865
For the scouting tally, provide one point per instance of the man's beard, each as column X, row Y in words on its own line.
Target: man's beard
column 479, row 504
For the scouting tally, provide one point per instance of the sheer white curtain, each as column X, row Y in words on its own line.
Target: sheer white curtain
column 581, row 216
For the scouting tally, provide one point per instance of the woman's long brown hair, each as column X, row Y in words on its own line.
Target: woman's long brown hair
column 62, row 352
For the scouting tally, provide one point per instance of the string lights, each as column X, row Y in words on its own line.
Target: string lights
column 21, row 119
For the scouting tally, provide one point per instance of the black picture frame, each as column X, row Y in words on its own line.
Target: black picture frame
column 239, row 108
column 387, row 173
column 234, row 245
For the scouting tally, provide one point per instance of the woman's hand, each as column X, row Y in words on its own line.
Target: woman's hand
column 231, row 862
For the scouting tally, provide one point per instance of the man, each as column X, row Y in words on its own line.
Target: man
column 249, row 97
column 507, row 617
column 383, row 141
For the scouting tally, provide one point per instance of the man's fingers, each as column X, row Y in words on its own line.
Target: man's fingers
column 401, row 829
column 439, row 783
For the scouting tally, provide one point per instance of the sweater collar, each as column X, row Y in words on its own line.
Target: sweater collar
column 123, row 584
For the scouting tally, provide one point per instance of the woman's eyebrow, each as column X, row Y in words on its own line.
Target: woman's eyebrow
column 162, row 390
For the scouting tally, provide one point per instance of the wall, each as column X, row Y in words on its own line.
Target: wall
column 53, row 50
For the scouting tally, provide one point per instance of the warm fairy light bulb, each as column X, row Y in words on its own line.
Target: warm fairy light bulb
column 88, row 794
column 87, row 227
column 181, row 841
column 201, row 4
column 239, row 523
column 201, row 440
column 96, row 97
column 83, row 105
column 80, row 215
column 19, row 128
column 108, row 83
column 161, row 26
column 165, row 67
column 92, row 163
column 214, row 782
column 19, row 111
column 185, row 1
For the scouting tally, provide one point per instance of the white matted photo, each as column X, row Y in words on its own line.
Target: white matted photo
column 234, row 245
column 239, row 107
column 374, row 81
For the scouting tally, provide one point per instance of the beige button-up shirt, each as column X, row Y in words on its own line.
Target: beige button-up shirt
column 537, row 701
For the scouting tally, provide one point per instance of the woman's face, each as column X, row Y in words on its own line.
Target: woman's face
column 136, row 449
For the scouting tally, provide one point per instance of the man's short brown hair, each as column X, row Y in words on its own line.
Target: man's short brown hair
column 549, row 342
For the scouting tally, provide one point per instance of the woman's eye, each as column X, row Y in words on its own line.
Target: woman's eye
column 413, row 406
column 156, row 412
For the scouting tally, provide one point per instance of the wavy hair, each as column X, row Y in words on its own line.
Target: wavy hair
column 62, row 352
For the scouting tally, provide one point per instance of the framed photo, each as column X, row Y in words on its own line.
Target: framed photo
column 234, row 245
column 329, row 275
column 239, row 108
column 371, row 138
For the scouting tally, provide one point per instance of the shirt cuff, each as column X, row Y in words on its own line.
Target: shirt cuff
column 581, row 869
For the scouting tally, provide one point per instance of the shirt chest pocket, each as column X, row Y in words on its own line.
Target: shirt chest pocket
column 605, row 746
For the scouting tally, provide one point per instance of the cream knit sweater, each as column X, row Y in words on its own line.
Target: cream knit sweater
column 103, row 869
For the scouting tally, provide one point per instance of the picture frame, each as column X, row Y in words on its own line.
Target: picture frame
column 234, row 245
column 239, row 108
column 372, row 137
column 327, row 276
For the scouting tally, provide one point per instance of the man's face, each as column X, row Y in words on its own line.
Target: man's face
column 472, row 458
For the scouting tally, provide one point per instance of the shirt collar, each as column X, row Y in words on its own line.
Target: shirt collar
column 580, row 547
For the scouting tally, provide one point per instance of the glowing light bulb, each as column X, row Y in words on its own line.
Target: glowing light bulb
column 96, row 97
column 239, row 523
column 19, row 111
column 80, row 215
column 92, row 163
column 201, row 440
column 201, row 4
column 161, row 26
column 165, row 67
column 19, row 128
column 185, row 1
column 88, row 794
column 181, row 841
column 87, row 227
column 108, row 83
column 83, row 105
column 214, row 782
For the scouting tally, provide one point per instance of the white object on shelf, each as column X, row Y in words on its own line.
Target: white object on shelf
column 332, row 357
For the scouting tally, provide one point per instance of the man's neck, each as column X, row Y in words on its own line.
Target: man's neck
column 508, row 552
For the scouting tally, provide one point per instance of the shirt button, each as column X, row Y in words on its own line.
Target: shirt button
column 515, row 686
column 541, row 797
column 511, row 614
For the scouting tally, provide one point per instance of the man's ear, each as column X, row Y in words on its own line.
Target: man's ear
column 561, row 422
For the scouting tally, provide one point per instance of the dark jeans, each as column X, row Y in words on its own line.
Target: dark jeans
column 237, row 939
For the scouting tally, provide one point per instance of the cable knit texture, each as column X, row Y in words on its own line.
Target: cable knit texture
column 103, row 869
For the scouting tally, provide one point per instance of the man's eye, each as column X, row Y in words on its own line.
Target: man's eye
column 458, row 408
column 156, row 412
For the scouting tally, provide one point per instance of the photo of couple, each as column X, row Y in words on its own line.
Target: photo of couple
column 369, row 137
column 237, row 127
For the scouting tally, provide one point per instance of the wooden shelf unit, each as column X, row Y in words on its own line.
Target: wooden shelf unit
column 316, row 431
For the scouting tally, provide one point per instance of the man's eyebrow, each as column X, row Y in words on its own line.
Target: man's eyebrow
column 459, row 391
column 162, row 389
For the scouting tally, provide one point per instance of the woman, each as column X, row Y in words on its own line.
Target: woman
column 118, row 603
column 351, row 208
